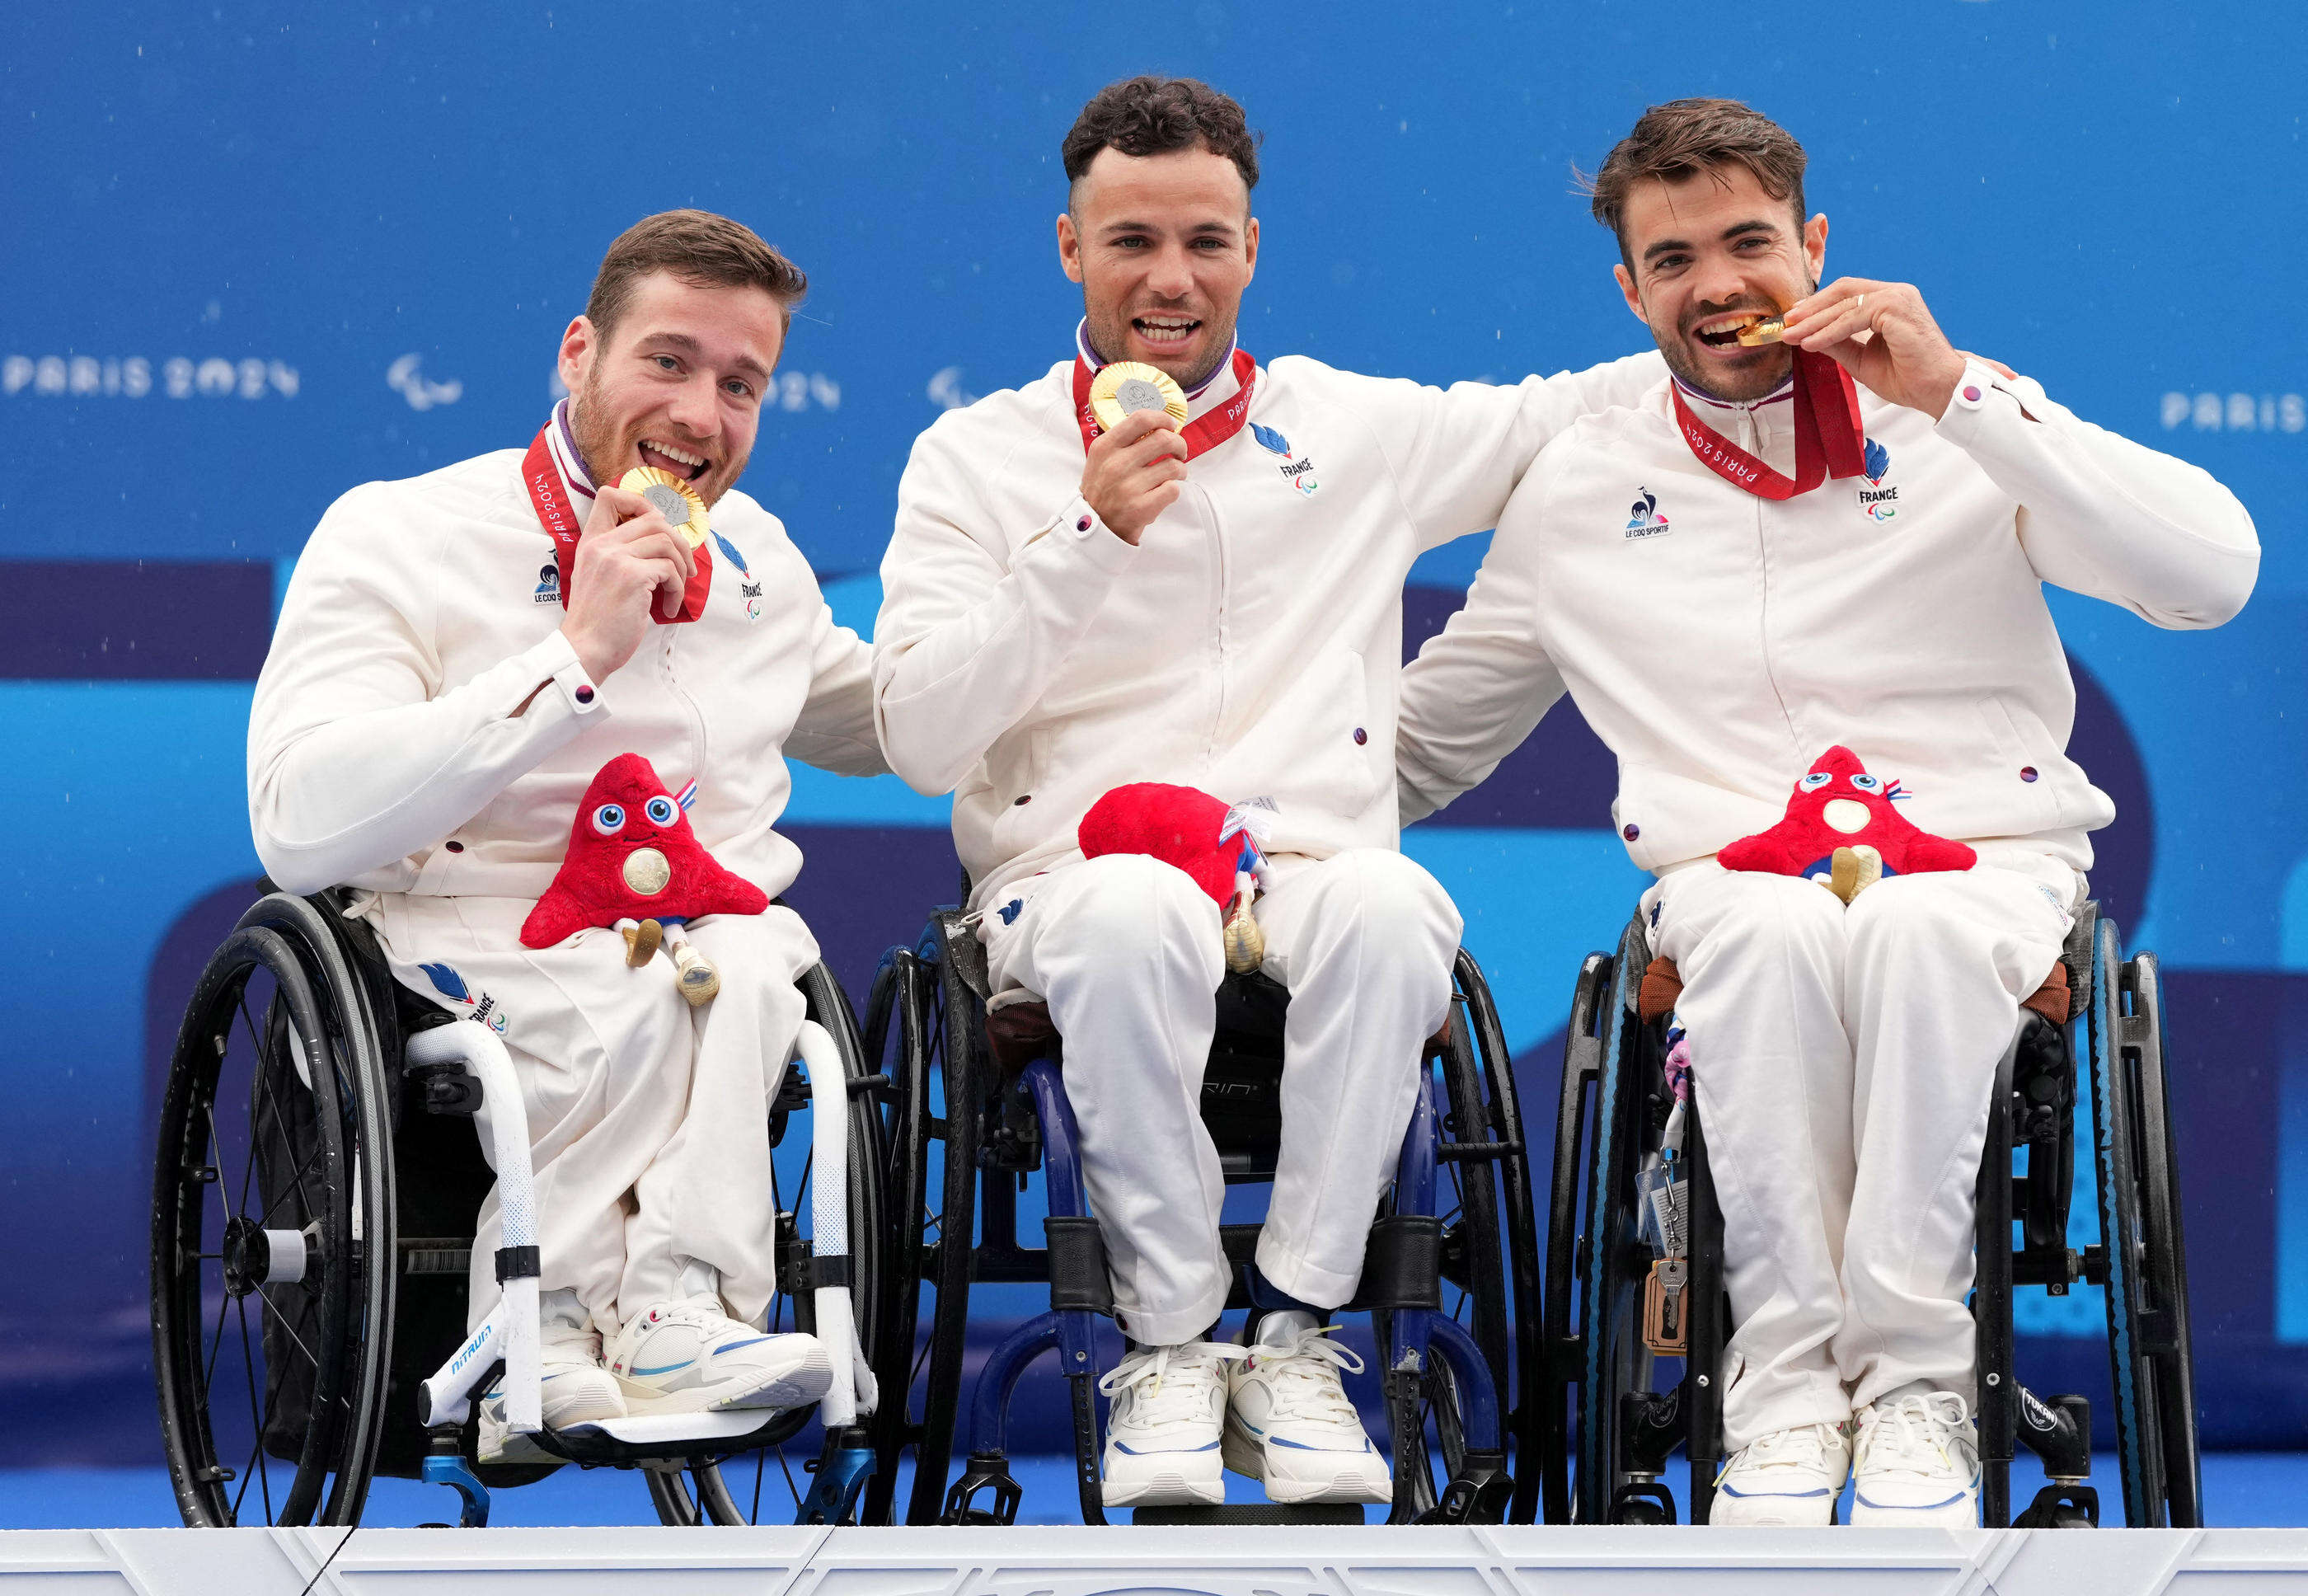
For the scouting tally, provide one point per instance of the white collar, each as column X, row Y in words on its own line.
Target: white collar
column 562, row 440
column 1701, row 401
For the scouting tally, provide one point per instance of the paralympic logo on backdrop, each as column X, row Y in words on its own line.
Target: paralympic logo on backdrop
column 135, row 376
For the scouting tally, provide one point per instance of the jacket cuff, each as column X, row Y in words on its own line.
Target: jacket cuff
column 1079, row 525
column 555, row 659
column 1983, row 398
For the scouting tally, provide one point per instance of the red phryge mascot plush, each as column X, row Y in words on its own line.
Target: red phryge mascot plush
column 634, row 865
column 1217, row 845
column 1840, row 828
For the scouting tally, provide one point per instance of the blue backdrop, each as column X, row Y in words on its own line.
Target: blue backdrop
column 260, row 254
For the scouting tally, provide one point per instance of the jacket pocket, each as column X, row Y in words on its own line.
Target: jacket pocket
column 2026, row 766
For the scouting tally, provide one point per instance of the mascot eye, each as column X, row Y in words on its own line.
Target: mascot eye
column 1867, row 783
column 660, row 810
column 609, row 819
column 1815, row 781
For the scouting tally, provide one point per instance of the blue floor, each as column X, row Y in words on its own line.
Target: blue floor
column 2242, row 1489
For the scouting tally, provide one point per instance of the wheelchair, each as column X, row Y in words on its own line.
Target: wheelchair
column 1450, row 1276
column 316, row 1191
column 1631, row 1365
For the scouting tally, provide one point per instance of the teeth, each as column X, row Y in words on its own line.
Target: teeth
column 670, row 453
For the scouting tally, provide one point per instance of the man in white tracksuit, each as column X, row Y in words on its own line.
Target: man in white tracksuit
column 1062, row 617
column 1724, row 611
column 457, row 655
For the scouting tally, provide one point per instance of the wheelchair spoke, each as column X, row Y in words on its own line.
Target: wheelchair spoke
column 256, row 1450
column 286, row 1328
column 297, row 1186
column 208, row 1373
column 296, row 1179
column 760, row 1467
column 788, row 1472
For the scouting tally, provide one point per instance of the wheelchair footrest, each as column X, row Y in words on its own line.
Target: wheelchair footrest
column 1251, row 1513
column 654, row 1436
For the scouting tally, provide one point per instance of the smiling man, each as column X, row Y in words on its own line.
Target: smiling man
column 457, row 655
column 1216, row 604
column 1757, row 562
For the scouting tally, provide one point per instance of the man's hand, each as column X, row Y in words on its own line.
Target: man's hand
column 1135, row 473
column 626, row 556
column 1882, row 335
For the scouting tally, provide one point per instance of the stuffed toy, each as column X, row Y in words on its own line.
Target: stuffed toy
column 1219, row 846
column 634, row 865
column 1841, row 830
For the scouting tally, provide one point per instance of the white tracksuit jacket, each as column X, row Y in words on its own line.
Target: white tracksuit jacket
column 384, row 753
column 1718, row 643
column 1030, row 660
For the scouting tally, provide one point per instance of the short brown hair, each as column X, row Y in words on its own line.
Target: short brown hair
column 1151, row 115
column 698, row 247
column 1673, row 141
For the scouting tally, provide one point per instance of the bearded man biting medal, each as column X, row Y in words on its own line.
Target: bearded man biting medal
column 1762, row 577
column 457, row 656
column 1083, row 594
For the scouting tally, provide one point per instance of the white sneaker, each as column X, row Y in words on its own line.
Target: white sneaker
column 1162, row 1430
column 1289, row 1424
column 1918, row 1463
column 1788, row 1477
column 687, row 1356
column 575, row 1389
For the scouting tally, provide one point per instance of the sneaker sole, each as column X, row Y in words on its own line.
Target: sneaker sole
column 1244, row 1455
column 1167, row 1488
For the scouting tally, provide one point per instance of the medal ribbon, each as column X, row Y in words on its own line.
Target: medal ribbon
column 1830, row 439
column 558, row 515
column 1206, row 433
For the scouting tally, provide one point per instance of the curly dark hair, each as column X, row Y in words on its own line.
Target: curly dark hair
column 1151, row 115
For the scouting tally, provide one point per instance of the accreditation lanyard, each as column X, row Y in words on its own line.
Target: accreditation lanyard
column 1830, row 439
column 542, row 476
column 1202, row 435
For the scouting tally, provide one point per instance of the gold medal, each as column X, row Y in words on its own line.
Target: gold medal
column 1754, row 335
column 670, row 497
column 1127, row 386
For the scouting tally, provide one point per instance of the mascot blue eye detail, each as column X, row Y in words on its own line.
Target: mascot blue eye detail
column 1867, row 783
column 659, row 810
column 1815, row 781
column 609, row 819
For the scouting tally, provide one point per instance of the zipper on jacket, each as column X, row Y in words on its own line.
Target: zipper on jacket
column 1754, row 443
column 689, row 706
column 1218, row 545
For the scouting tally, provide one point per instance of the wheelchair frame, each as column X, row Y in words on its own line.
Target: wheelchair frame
column 375, row 1063
column 1607, row 1433
column 930, row 1000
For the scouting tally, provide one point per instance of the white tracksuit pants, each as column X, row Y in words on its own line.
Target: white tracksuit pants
column 1843, row 1059
column 648, row 1119
column 1127, row 951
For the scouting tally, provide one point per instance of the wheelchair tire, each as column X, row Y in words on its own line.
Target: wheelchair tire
column 2148, row 1338
column 730, row 1490
column 936, row 1023
column 286, row 1200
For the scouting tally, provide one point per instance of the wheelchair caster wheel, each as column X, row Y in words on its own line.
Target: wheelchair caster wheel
column 1642, row 1503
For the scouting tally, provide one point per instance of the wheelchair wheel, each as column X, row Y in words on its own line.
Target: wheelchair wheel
column 1490, row 1267
column 272, row 1238
column 921, row 1002
column 1594, row 1343
column 2149, row 1339
column 740, row 1489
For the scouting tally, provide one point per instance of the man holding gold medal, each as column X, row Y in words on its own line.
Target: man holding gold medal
column 1160, row 561
column 457, row 656
column 1826, row 535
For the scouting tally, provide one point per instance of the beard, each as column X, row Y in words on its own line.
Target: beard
column 608, row 454
column 1763, row 369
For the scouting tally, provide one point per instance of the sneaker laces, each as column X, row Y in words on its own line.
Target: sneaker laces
column 1804, row 1445
column 1306, row 1376
column 1172, row 1385
column 1908, row 1433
